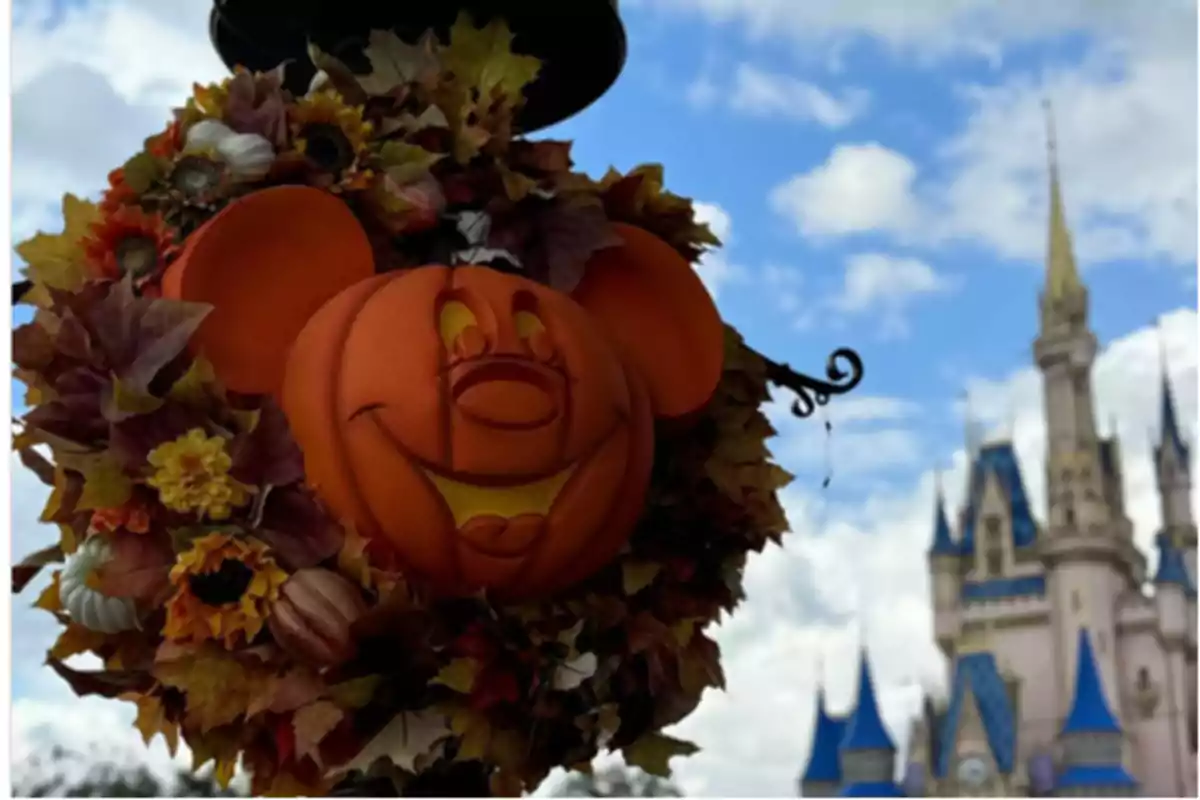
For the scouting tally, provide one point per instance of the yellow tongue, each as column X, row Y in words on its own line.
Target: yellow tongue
column 467, row 501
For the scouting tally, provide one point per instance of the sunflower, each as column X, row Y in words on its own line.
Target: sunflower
column 128, row 241
column 118, row 193
column 331, row 137
column 192, row 475
column 224, row 590
column 199, row 178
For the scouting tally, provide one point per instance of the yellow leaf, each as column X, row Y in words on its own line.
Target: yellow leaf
column 683, row 631
column 355, row 693
column 68, row 542
column 404, row 162
column 483, row 59
column 394, row 62
column 56, row 261
column 223, row 771
column 247, row 420
column 50, row 599
column 654, row 751
column 131, row 401
column 54, row 501
column 219, row 688
column 75, row 639
column 637, row 575
column 459, row 675
column 352, row 558
column 152, row 720
column 409, row 736
column 192, row 387
column 105, row 484
column 516, row 186
column 312, row 724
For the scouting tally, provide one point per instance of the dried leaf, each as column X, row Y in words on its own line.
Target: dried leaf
column 410, row 735
column 32, row 564
column 219, row 687
column 312, row 724
column 141, row 172
column 654, row 751
column 459, row 675
column 152, row 720
column 288, row 692
column 483, row 59
column 396, row 64
column 406, row 162
column 569, row 233
column 56, row 261
column 545, row 156
column 356, row 693
column 192, row 388
column 128, row 401
column 106, row 683
column 76, row 639
column 297, row 528
column 268, row 455
column 50, row 599
column 38, row 464
column 105, row 484
column 637, row 575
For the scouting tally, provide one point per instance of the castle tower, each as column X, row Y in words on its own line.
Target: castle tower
column 946, row 578
column 1088, row 552
column 1172, row 469
column 822, row 775
column 867, row 752
column 1091, row 737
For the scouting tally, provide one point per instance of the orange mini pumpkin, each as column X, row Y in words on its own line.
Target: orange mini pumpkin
column 495, row 432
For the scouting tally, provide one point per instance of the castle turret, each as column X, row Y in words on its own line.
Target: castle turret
column 1172, row 469
column 1092, row 764
column 867, row 752
column 823, row 773
column 945, row 577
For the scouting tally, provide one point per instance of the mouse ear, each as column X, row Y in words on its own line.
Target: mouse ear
column 655, row 306
column 266, row 263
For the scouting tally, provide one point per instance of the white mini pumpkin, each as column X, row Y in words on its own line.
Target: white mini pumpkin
column 88, row 607
column 248, row 155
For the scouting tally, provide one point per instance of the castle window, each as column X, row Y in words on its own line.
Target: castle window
column 1076, row 603
column 1143, row 679
column 995, row 562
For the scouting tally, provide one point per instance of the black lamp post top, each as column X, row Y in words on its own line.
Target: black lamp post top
column 580, row 42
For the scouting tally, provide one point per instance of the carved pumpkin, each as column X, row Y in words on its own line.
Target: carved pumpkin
column 496, row 433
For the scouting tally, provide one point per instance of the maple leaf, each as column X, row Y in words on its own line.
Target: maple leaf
column 566, row 232
column 404, row 162
column 483, row 59
column 196, row 385
column 219, row 688
column 355, row 693
column 409, row 736
column 637, row 575
column 311, row 724
column 32, row 564
column 257, row 104
column 297, row 528
column 654, row 751
column 352, row 557
column 267, row 455
column 459, row 675
column 105, row 484
column 50, row 599
column 106, row 683
column 545, row 156
column 56, row 261
column 152, row 720
column 76, row 639
column 288, row 692
column 395, row 64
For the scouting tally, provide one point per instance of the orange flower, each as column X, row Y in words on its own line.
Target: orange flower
column 118, row 193
column 129, row 517
column 166, row 144
column 129, row 241
column 225, row 588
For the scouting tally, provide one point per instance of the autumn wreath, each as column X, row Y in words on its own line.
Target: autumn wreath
column 221, row 597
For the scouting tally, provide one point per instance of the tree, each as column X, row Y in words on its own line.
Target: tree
column 616, row 781
column 59, row 775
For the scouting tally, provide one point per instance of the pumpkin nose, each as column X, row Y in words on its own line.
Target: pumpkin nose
column 506, row 393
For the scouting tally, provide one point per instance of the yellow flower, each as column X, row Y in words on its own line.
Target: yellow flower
column 332, row 139
column 192, row 474
column 224, row 589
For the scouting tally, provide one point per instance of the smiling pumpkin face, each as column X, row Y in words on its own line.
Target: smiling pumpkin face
column 485, row 431
column 482, row 424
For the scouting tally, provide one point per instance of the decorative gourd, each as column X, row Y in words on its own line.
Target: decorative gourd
column 87, row 606
column 495, row 432
column 313, row 616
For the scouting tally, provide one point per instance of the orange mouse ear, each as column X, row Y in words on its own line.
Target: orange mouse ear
column 653, row 303
column 266, row 263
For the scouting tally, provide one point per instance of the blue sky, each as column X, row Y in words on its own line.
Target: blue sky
column 883, row 181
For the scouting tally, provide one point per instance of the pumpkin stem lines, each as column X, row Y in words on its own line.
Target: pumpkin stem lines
column 811, row 392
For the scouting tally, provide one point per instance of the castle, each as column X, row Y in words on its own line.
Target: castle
column 1067, row 676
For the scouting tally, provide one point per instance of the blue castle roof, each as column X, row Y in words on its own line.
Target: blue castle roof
column 1087, row 776
column 824, row 766
column 1171, row 566
column 865, row 730
column 872, row 789
column 1171, row 434
column 1000, row 460
column 943, row 544
column 1090, row 712
column 976, row 674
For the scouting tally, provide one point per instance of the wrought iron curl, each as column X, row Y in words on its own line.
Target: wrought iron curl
column 843, row 370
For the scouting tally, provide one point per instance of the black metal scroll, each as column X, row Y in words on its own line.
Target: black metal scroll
column 844, row 371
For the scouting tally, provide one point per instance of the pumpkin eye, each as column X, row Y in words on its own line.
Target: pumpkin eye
column 527, row 324
column 455, row 317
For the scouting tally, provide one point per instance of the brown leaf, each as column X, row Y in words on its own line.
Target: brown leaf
column 76, row 639
column 38, row 464
column 312, row 723
column 32, row 564
column 568, row 233
column 268, row 455
column 287, row 692
column 106, row 683
column 298, row 529
column 256, row 104
column 545, row 156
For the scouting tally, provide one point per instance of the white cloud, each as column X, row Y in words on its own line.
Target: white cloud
column 714, row 267
column 759, row 93
column 886, row 286
column 860, row 187
column 1126, row 122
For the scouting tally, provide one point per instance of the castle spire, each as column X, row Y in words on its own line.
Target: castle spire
column 1062, row 277
column 943, row 543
